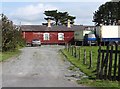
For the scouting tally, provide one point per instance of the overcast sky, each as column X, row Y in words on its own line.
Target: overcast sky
column 31, row 11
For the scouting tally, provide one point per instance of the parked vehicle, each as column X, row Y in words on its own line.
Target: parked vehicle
column 85, row 37
column 36, row 42
column 80, row 34
column 91, row 39
column 104, row 34
column 108, row 34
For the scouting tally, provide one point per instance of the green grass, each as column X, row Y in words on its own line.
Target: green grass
column 79, row 63
column 91, row 81
column 6, row 55
column 0, row 56
column 106, row 84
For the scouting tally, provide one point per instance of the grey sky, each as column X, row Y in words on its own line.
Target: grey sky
column 32, row 12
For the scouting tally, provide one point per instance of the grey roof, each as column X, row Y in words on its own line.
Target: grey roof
column 52, row 28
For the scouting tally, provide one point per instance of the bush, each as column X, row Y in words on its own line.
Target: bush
column 11, row 35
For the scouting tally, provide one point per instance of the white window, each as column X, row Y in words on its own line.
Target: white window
column 60, row 36
column 46, row 36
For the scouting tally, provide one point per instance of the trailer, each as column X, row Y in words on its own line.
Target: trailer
column 84, row 37
column 80, row 34
column 108, row 33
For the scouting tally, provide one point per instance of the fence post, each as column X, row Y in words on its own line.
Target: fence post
column 72, row 50
column 84, row 60
column 119, row 68
column 110, row 63
column 102, row 66
column 67, row 47
column 75, row 51
column 98, row 62
column 90, row 56
column 90, row 43
column 115, row 63
column 79, row 54
column 106, row 63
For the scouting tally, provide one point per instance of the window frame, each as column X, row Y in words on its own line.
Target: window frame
column 61, row 36
column 46, row 36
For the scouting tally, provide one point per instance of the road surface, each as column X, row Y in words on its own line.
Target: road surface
column 37, row 67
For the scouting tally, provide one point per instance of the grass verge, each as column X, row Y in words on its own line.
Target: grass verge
column 6, row 55
column 90, row 81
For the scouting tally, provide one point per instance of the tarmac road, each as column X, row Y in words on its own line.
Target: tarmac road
column 36, row 67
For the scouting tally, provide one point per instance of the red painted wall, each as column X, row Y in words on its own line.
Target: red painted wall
column 68, row 37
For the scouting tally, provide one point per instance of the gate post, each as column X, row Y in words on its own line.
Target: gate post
column 119, row 68
column 98, row 62
column 115, row 63
column 110, row 63
column 106, row 62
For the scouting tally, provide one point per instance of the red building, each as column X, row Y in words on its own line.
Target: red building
column 50, row 34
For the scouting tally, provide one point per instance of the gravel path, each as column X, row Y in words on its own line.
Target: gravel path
column 37, row 67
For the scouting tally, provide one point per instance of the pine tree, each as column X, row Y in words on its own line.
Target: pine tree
column 60, row 18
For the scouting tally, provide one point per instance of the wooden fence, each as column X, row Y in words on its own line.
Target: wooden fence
column 75, row 51
column 108, row 63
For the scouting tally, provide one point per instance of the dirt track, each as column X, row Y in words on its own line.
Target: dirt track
column 37, row 67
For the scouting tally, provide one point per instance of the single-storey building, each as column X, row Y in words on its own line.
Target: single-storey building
column 51, row 34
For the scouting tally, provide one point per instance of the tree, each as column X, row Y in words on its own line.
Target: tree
column 11, row 35
column 60, row 18
column 107, row 14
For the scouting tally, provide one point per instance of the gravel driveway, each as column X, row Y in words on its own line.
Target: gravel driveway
column 37, row 67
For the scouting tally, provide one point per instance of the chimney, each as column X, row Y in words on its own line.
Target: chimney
column 68, row 24
column 49, row 23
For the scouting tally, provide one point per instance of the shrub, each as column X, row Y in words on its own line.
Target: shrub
column 11, row 35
